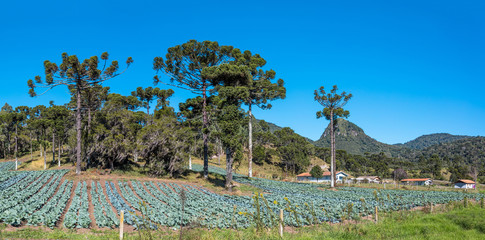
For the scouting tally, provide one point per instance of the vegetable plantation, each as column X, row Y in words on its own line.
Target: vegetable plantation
column 45, row 198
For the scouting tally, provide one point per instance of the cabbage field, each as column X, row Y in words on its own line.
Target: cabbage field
column 46, row 198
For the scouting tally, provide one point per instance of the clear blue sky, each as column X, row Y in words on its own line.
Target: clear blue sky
column 414, row 67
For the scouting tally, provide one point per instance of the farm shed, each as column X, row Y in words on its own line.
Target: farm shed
column 307, row 177
column 465, row 183
column 368, row 179
column 418, row 181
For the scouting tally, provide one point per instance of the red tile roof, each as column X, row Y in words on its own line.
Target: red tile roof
column 328, row 173
column 415, row 179
column 304, row 175
column 466, row 181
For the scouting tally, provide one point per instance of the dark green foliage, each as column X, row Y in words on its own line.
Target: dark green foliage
column 425, row 141
column 78, row 77
column 431, row 166
column 316, row 172
column 165, row 147
column 147, row 95
column 261, row 155
column 293, row 150
column 185, row 64
column 115, row 130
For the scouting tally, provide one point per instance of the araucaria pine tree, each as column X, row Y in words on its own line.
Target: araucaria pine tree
column 184, row 65
column 79, row 76
column 332, row 103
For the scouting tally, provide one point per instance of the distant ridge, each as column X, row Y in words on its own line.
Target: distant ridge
column 431, row 139
column 351, row 138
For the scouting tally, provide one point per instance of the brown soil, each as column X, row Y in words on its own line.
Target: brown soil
column 91, row 206
column 152, row 194
column 136, row 194
column 68, row 204
column 103, row 187
column 123, row 198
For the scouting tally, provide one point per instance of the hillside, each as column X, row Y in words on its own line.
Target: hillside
column 351, row 138
column 431, row 139
column 469, row 150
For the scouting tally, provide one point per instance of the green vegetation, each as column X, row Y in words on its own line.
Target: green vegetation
column 429, row 140
column 448, row 222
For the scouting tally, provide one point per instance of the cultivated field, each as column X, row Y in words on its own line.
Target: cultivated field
column 47, row 198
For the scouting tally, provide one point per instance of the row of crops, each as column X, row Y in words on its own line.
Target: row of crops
column 6, row 166
column 42, row 198
column 310, row 202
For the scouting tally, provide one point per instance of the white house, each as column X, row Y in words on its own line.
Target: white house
column 307, row 177
column 464, row 183
column 368, row 179
column 418, row 181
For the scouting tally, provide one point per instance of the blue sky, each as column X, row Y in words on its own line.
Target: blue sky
column 414, row 67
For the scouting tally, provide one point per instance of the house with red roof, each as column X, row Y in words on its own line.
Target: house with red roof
column 307, row 177
column 465, row 184
column 417, row 181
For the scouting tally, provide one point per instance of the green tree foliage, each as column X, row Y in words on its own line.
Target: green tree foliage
column 333, row 108
column 316, row 172
column 147, row 95
column 231, row 82
column 184, row 65
column 165, row 146
column 261, row 90
column 293, row 150
column 79, row 76
column 58, row 119
column 115, row 130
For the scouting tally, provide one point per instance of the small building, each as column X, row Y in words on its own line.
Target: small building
column 417, row 181
column 367, row 179
column 307, row 177
column 465, row 184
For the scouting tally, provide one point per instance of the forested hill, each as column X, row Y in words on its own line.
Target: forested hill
column 351, row 138
column 431, row 139
column 272, row 128
column 468, row 150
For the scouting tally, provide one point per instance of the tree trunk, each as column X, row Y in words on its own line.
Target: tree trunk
column 250, row 157
column 59, row 153
column 286, row 170
column 78, row 131
column 53, row 146
column 204, row 132
column 332, row 149
column 190, row 162
column 111, row 166
column 31, row 154
column 45, row 158
column 229, row 161
column 16, row 146
column 86, row 143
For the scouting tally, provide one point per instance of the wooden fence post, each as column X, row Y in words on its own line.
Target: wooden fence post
column 121, row 224
column 281, row 223
column 377, row 218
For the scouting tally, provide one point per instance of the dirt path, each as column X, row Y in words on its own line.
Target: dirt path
column 91, row 205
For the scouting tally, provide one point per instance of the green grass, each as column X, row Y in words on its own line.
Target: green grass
column 459, row 223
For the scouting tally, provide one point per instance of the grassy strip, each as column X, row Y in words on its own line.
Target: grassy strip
column 457, row 223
